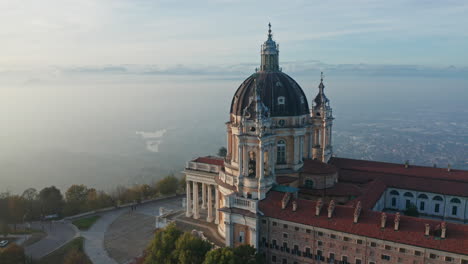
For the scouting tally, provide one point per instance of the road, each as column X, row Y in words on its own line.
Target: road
column 58, row 234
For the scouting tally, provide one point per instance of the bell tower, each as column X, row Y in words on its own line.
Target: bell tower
column 322, row 119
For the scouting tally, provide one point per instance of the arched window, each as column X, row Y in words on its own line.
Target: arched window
column 455, row 200
column 281, row 152
column 408, row 194
column 437, row 198
column 393, row 192
column 422, row 196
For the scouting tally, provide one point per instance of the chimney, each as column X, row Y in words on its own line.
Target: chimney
column 383, row 220
column 331, row 208
column 318, row 207
column 406, row 164
column 357, row 212
column 397, row 221
column 443, row 233
column 449, row 168
column 294, row 205
column 285, row 200
column 427, row 229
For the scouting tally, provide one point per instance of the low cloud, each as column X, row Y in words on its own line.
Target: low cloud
column 152, row 139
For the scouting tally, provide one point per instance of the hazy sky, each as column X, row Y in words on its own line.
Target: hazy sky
column 119, row 32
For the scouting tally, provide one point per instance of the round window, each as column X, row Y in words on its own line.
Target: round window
column 281, row 122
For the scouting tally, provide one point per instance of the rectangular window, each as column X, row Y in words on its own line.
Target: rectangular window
column 417, row 253
column 408, row 203
column 344, row 259
column 308, row 231
column 358, row 261
column 275, row 224
column 432, row 256
column 385, row 257
column 333, row 236
column 373, row 244
column 285, row 226
column 320, row 233
column 263, row 221
column 436, row 208
column 296, row 228
column 285, row 235
column 285, row 261
column 421, row 206
column 320, row 243
column 241, row 237
column 388, row 247
column 393, row 202
column 332, row 256
column 454, row 210
column 402, row 250
column 273, row 258
column 448, row 259
column 346, row 239
column 319, row 253
column 359, row 241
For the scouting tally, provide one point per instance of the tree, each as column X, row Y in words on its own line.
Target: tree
column 17, row 209
column 191, row 249
column 31, row 198
column 246, row 254
column 162, row 246
column 183, row 183
column 51, row 200
column 13, row 254
column 220, row 256
column 168, row 185
column 222, row 152
column 4, row 229
column 77, row 198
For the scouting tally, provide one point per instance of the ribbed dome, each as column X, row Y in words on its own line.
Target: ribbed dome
column 279, row 92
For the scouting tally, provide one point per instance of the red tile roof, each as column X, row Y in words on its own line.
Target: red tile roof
column 418, row 178
column 210, row 160
column 399, row 169
column 411, row 229
column 317, row 167
column 339, row 189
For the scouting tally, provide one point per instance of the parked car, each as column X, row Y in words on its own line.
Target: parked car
column 3, row 243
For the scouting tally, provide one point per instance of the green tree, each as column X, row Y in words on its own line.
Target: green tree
column 182, row 183
column 162, row 246
column 31, row 198
column 13, row 254
column 220, row 256
column 51, row 200
column 76, row 199
column 191, row 249
column 222, row 152
column 168, row 185
column 4, row 229
column 246, row 254
column 17, row 209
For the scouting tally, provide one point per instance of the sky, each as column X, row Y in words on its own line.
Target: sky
column 91, row 34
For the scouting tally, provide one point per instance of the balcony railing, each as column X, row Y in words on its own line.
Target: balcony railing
column 243, row 203
column 192, row 165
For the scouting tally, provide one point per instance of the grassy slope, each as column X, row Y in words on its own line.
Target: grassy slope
column 85, row 223
column 57, row 257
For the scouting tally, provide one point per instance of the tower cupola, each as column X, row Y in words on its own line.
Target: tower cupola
column 269, row 54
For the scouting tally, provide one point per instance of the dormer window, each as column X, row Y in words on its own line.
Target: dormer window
column 302, row 99
column 281, row 100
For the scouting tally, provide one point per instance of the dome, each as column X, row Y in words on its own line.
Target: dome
column 279, row 92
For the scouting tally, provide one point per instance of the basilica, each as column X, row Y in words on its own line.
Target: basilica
column 281, row 189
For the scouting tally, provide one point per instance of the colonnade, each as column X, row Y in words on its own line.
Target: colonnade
column 194, row 199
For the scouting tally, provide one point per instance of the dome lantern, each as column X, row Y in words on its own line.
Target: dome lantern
column 269, row 54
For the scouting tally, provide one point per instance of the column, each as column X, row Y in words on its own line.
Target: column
column 216, row 206
column 209, row 218
column 239, row 158
column 188, row 202
column 261, row 163
column 309, row 146
column 203, row 206
column 196, row 210
column 253, row 237
column 228, row 229
column 296, row 150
